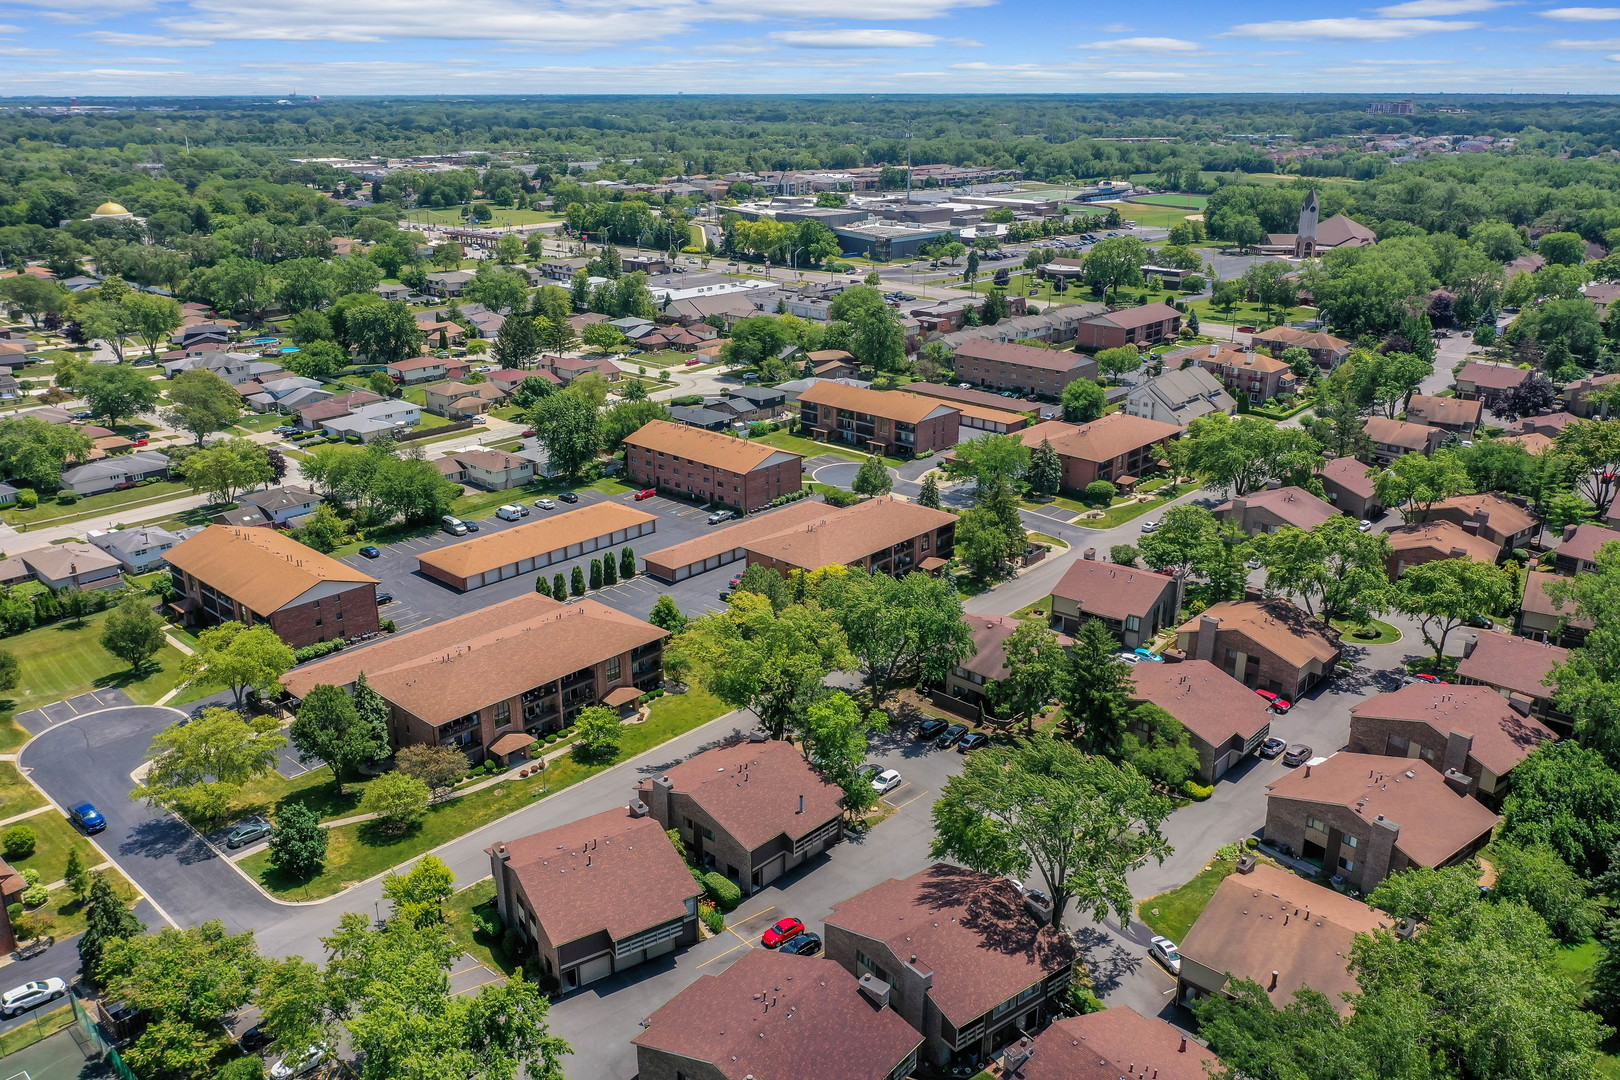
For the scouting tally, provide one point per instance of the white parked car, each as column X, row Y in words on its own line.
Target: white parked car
column 1150, row 526
column 29, row 995
column 1165, row 952
column 511, row 512
column 298, row 1064
column 545, row 504
column 886, row 781
column 1365, row 526
column 1129, row 657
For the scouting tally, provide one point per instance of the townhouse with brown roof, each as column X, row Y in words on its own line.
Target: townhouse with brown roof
column 1327, row 351
column 1007, row 366
column 1266, row 644
column 899, row 425
column 1119, row 448
column 1107, row 1045
column 1493, row 518
column 596, row 896
column 1421, row 542
column 1489, row 383
column 1261, row 512
column 1391, row 439
column 784, row 1017
column 1470, row 734
column 1133, row 604
column 1225, row 720
column 832, row 364
column 491, row 470
column 968, row 963
column 251, row 575
column 508, row 553
column 750, row 810
column 488, row 681
column 1140, row 326
column 708, row 465
column 884, row 534
column 1349, row 486
column 1579, row 395
column 1246, row 373
column 1540, row 619
column 1446, row 413
column 1363, row 817
column 1548, row 424
column 1577, row 552
column 1275, row 928
column 1517, row 669
column 967, row 688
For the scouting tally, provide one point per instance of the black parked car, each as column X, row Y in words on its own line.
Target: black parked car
column 950, row 736
column 384, row 598
column 568, row 497
column 929, row 729
column 806, row 944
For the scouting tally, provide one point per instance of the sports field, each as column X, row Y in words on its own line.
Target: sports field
column 1186, row 202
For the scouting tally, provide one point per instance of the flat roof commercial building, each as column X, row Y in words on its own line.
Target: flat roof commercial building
column 502, row 673
column 882, row 422
column 253, row 575
column 596, row 896
column 496, row 556
column 707, row 465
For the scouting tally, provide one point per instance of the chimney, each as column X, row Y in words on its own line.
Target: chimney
column 1569, row 531
column 1460, row 782
column 1207, row 626
column 1238, row 506
column 1458, row 744
column 875, row 991
column 1471, row 526
column 1214, row 351
column 1470, row 643
column 1274, row 974
column 1183, row 1049
column 1307, row 770
column 1089, row 554
column 1521, row 703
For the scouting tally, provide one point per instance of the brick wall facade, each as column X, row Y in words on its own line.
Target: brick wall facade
column 1246, row 660
column 1410, row 738
column 936, row 433
column 748, row 491
column 1027, row 378
column 348, row 614
column 1373, row 858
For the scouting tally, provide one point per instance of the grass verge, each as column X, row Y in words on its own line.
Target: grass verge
column 357, row 852
column 38, row 1029
column 17, row 796
column 51, row 513
column 55, row 838
column 1173, row 913
column 1351, row 629
column 470, row 934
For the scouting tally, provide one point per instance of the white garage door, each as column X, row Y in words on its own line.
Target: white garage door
column 592, row 970
column 771, row 870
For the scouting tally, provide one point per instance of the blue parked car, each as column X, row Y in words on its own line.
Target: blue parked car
column 1147, row 655
column 87, row 817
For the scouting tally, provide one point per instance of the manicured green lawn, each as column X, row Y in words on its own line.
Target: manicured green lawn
column 17, row 796
column 67, row 914
column 1246, row 314
column 261, row 421
column 56, row 837
column 451, row 215
column 1183, row 202
column 1160, row 217
column 357, row 852
column 63, row 660
column 50, row 512
column 1387, row 634
column 1122, row 512
column 1173, row 913
column 810, row 448
column 1061, row 545
column 433, row 420
column 481, row 944
column 314, row 790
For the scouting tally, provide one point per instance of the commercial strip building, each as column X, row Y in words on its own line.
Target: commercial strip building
column 596, row 896
column 1024, row 368
column 253, row 575
column 496, row 556
column 488, row 681
column 778, row 1016
column 901, row 425
column 750, row 810
column 707, row 465
column 969, row 964
column 1363, row 817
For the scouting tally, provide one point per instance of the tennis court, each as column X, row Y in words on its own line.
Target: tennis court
column 58, row 1057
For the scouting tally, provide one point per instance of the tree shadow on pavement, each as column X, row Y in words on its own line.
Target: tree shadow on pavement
column 1107, row 960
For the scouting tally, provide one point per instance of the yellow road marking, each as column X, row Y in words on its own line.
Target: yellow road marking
column 727, row 953
column 909, row 801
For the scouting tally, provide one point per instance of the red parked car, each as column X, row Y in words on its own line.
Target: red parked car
column 1434, row 680
column 783, row 930
column 645, row 493
column 137, row 442
column 1276, row 701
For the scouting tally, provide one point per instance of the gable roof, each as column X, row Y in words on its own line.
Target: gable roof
column 844, row 535
column 970, row 930
column 1351, row 474
column 1103, row 439
column 1110, row 1044
column 1208, row 702
column 1026, row 356
column 609, row 871
column 707, row 447
column 1290, row 338
column 1502, row 737
column 489, row 551
column 1275, row 625
column 1136, row 317
column 1294, row 505
column 281, row 498
column 1583, row 544
column 1110, row 590
column 60, row 561
column 1340, row 229
column 990, row 634
column 907, row 408
column 1448, row 538
column 1412, row 437
column 1435, row 823
column 1537, row 601
column 1500, row 515
column 1423, row 408
column 1178, row 389
column 139, row 461
column 260, row 568
column 1512, row 662
column 754, row 790
column 1491, row 376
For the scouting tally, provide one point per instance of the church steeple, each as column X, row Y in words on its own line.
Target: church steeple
column 1305, row 242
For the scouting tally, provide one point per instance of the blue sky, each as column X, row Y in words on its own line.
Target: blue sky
column 334, row 47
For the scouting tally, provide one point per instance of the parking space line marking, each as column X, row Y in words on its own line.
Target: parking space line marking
column 728, row 952
column 896, row 791
column 750, row 918
column 909, row 801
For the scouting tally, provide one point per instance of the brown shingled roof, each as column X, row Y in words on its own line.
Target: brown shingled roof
column 990, row 634
column 1256, row 923
column 1424, row 409
column 1583, row 544
column 852, row 533
column 1492, row 376
column 1027, row 356
column 608, row 872
column 1444, row 537
column 737, row 534
column 1132, row 318
column 1208, row 702
column 1436, row 823
column 1103, row 439
column 752, row 790
column 1502, row 516
column 493, row 550
column 1276, row 625
column 1350, row 474
column 1414, row 437
column 907, row 408
column 1294, row 505
column 1502, row 737
column 970, row 930
column 1536, row 600
column 706, row 447
column 1113, row 1043
column 782, row 1017
column 1512, row 663
column 260, row 568
column 1110, row 590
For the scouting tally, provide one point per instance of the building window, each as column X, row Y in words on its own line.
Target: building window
column 1350, row 842
column 1316, row 824
column 1346, row 864
column 1133, row 622
column 503, row 713
column 613, row 669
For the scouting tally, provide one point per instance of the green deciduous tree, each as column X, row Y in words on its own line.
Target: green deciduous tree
column 1242, row 454
column 1335, row 571
column 36, row 452
column 133, row 632
column 1080, row 823
column 114, row 391
column 873, row 478
column 569, row 428
column 1542, row 881
column 1083, row 401
column 237, row 658
column 328, row 729
column 439, row 767
column 1096, row 690
column 1413, row 483
column 1593, row 446
column 201, row 403
column 418, row 896
column 834, row 736
column 383, row 333
column 1443, row 593
column 597, row 734
column 198, row 766
column 398, row 801
column 1113, row 262
column 666, row 615
column 1118, row 361
column 1034, row 672
column 1567, row 797
column 298, row 843
column 899, row 626
column 228, row 468
column 195, row 976
column 152, row 319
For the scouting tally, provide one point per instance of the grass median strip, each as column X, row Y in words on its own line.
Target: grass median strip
column 360, row 851
column 17, row 796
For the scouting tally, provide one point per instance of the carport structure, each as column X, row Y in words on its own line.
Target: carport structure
column 508, row 553
column 728, row 544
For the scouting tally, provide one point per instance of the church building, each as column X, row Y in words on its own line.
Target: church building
column 1313, row 238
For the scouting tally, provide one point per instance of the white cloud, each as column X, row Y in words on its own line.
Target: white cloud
column 732, row 48
column 1156, row 44
column 857, row 39
column 1422, row 9
column 1347, row 29
column 1591, row 46
column 1117, row 28
column 1583, row 14
column 10, row 29
column 156, row 41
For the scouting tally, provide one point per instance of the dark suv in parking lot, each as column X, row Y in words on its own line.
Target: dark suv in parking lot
column 930, row 729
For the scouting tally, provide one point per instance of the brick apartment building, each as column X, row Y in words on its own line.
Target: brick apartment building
column 1493, row 518
column 1446, row 413
column 1517, row 669
column 1006, row 366
column 256, row 576
column 708, row 465
column 967, row 961
column 1140, row 326
column 1225, row 720
column 1364, row 817
column 1391, row 439
column 1489, row 383
column 1118, row 447
column 1577, row 552
column 1350, row 489
column 596, row 896
column 900, row 425
column 1104, row 1045
column 1411, row 545
column 1326, row 351
column 1133, row 604
column 883, row 534
column 751, row 810
column 1261, row 512
column 965, row 689
column 1243, row 371
column 489, row 681
column 1265, row 644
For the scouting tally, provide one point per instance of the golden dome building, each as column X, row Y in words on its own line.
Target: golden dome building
column 111, row 211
